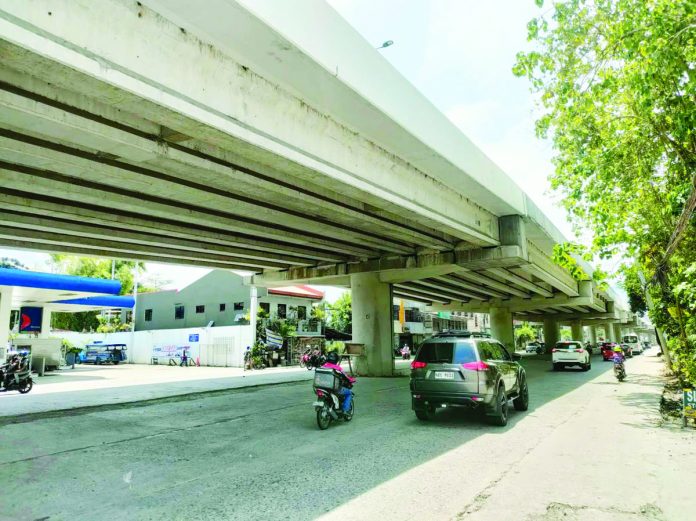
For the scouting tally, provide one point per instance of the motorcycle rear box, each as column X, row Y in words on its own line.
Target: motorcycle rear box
column 326, row 379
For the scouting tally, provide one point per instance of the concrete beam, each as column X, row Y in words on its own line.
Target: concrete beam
column 520, row 281
column 454, row 280
column 396, row 269
column 483, row 280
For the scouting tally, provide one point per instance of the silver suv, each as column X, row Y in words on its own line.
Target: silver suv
column 463, row 369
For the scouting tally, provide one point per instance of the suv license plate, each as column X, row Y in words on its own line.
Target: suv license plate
column 444, row 375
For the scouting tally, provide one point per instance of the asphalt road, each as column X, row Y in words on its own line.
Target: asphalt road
column 257, row 454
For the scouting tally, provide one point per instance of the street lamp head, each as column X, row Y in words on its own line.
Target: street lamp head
column 388, row 43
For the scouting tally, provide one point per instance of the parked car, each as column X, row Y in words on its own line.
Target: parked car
column 461, row 369
column 534, row 347
column 607, row 349
column 570, row 353
column 634, row 342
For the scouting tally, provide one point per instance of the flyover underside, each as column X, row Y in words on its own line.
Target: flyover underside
column 96, row 158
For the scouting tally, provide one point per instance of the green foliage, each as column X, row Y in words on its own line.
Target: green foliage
column 341, row 317
column 9, row 262
column 336, row 345
column 524, row 334
column 617, row 89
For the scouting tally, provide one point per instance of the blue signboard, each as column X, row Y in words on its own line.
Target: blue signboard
column 30, row 319
column 193, row 337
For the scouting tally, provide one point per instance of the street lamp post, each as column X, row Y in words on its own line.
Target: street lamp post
column 386, row 44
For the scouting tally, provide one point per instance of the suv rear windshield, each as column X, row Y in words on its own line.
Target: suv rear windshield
column 447, row 352
column 568, row 345
column 630, row 339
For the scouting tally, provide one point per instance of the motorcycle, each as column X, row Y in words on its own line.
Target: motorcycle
column 312, row 359
column 329, row 403
column 406, row 353
column 18, row 379
column 619, row 371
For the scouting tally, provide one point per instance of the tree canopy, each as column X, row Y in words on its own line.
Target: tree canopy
column 616, row 83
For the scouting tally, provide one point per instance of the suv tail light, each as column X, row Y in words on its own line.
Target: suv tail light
column 418, row 365
column 554, row 350
column 476, row 366
column 579, row 350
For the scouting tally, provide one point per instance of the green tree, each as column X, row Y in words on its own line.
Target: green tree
column 617, row 89
column 341, row 317
column 12, row 263
column 100, row 269
column 524, row 334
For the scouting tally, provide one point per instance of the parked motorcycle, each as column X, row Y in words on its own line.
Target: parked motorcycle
column 312, row 358
column 329, row 403
column 16, row 376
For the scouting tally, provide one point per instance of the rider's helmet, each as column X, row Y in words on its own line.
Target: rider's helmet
column 617, row 349
column 332, row 357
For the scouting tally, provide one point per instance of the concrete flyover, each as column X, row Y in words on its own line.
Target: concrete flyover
column 269, row 137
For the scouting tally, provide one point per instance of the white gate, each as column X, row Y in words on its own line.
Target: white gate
column 219, row 353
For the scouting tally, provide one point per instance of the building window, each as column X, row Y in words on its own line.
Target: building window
column 301, row 312
column 200, row 308
column 222, row 307
column 282, row 310
column 265, row 307
column 178, row 311
column 238, row 306
column 148, row 315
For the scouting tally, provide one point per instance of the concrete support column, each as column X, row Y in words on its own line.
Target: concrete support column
column 609, row 332
column 5, row 310
column 551, row 332
column 593, row 335
column 46, row 322
column 617, row 332
column 372, row 323
column 576, row 330
column 501, row 326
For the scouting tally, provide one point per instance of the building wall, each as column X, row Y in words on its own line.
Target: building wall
column 216, row 288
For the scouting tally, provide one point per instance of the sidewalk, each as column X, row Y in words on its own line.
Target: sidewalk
column 89, row 385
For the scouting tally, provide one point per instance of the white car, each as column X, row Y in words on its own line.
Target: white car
column 570, row 352
column 634, row 342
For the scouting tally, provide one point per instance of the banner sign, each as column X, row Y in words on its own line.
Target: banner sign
column 30, row 319
column 274, row 339
column 170, row 351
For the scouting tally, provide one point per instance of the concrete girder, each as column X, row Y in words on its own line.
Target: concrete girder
column 25, row 224
column 114, row 253
column 520, row 305
column 482, row 279
column 419, row 296
column 462, row 294
column 396, row 269
column 110, row 177
column 78, row 212
column 217, row 97
column 542, row 267
column 483, row 290
column 172, row 161
column 132, row 250
column 428, row 289
column 520, row 281
column 52, row 184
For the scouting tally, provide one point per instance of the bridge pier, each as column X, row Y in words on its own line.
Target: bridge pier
column 372, row 323
column 501, row 326
column 576, row 330
column 617, row 332
column 551, row 332
column 593, row 335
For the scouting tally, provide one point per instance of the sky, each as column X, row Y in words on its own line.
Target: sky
column 459, row 54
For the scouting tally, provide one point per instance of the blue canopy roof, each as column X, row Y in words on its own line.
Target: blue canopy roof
column 51, row 281
column 106, row 301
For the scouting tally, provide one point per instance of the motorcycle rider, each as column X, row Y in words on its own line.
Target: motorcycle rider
column 347, row 382
column 619, row 357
